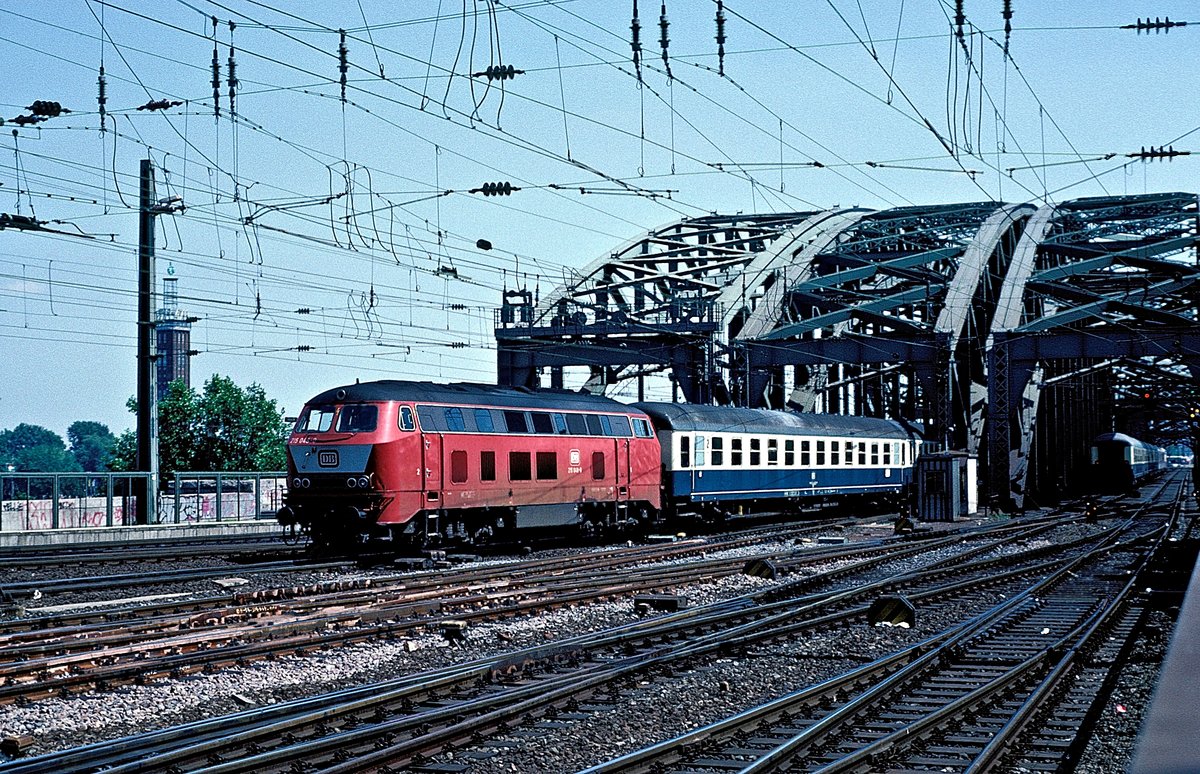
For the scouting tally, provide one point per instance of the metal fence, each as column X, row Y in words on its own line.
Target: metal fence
column 38, row 501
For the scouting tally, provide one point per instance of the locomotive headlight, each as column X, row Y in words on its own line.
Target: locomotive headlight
column 304, row 482
column 296, row 483
column 364, row 482
column 352, row 482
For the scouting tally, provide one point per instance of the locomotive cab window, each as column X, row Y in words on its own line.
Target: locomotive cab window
column 317, row 419
column 641, row 428
column 357, row 418
column 406, row 418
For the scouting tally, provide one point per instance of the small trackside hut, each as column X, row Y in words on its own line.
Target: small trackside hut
column 428, row 462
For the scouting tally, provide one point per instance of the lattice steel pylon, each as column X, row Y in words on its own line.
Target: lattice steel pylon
column 1095, row 283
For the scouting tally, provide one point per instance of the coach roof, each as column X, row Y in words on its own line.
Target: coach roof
column 463, row 394
column 725, row 419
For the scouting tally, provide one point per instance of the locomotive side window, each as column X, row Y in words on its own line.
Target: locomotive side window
column 820, row 452
column 755, row 454
column 487, row 466
column 458, row 467
column 560, row 424
column 805, row 453
column 542, row 423
column 735, row 454
column 593, row 424
column 515, row 422
column 789, row 453
column 598, row 466
column 576, row 424
column 519, row 466
column 547, row 466
column 483, row 421
column 454, row 419
column 718, row 451
column 605, row 425
column 772, row 451
column 620, row 426
column 835, row 452
column 317, row 419
column 685, row 451
column 357, row 418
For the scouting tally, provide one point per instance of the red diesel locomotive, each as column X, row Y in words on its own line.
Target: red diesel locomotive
column 423, row 462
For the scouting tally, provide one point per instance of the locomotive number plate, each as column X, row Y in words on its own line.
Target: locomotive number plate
column 327, row 458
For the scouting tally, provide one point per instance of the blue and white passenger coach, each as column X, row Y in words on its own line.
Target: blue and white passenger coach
column 734, row 460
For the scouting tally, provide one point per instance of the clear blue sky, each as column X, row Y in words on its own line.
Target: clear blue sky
column 308, row 203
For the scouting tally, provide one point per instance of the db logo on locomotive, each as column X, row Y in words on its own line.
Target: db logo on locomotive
column 327, row 458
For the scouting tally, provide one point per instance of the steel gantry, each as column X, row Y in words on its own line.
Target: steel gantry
column 1008, row 329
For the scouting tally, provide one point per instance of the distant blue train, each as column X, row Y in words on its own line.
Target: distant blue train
column 1121, row 462
column 720, row 461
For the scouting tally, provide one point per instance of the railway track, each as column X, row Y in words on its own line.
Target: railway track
column 415, row 717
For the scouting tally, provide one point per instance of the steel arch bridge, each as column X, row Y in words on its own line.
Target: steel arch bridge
column 1012, row 331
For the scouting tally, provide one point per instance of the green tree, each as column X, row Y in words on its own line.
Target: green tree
column 225, row 427
column 91, row 444
column 32, row 448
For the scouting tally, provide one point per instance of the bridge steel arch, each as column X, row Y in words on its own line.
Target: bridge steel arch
column 891, row 318
column 1097, row 283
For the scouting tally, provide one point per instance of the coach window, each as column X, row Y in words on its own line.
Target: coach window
column 835, row 452
column 547, row 466
column 542, row 423
column 487, row 466
column 454, row 420
column 805, row 454
column 519, row 467
column 700, row 451
column 772, row 451
column 620, row 426
column 598, row 466
column 458, row 467
column 406, row 421
column 685, row 451
column 483, row 421
column 874, row 454
column 755, row 454
column 735, row 453
column 593, row 424
column 849, row 452
column 560, row 424
column 515, row 422
column 862, row 453
column 887, row 455
column 820, row 453
column 576, row 425
column 789, row 453
column 718, row 451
